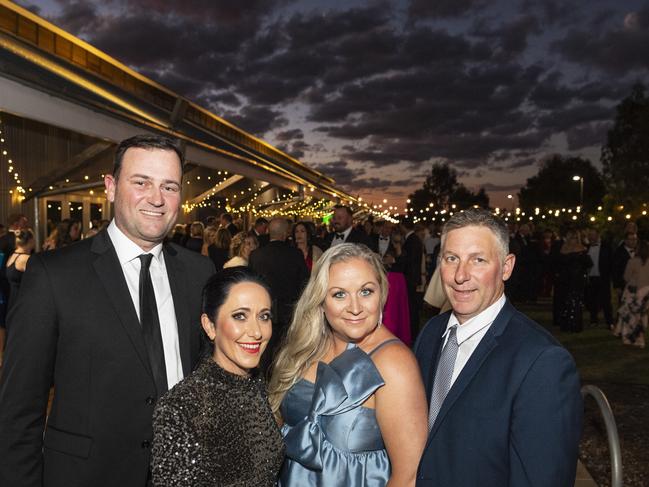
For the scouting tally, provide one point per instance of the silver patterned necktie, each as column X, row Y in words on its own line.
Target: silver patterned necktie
column 443, row 376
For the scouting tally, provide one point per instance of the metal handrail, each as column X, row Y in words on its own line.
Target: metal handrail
column 611, row 431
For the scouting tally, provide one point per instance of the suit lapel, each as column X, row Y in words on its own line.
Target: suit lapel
column 176, row 275
column 433, row 357
column 110, row 274
column 488, row 343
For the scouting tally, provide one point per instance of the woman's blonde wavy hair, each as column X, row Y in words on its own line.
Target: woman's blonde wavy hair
column 308, row 336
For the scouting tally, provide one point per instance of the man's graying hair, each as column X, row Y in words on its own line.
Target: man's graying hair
column 477, row 217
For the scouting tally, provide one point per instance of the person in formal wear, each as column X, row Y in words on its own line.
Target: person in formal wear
column 219, row 251
column 344, row 232
column 241, row 246
column 195, row 240
column 112, row 322
column 215, row 427
column 226, row 222
column 625, row 251
column 380, row 241
column 633, row 314
column 261, row 231
column 17, row 262
column 15, row 223
column 572, row 264
column 505, row 407
column 283, row 267
column 598, row 287
column 412, row 261
column 303, row 240
column 349, row 394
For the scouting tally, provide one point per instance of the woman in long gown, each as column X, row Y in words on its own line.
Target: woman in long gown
column 633, row 314
column 572, row 263
column 349, row 394
column 215, row 427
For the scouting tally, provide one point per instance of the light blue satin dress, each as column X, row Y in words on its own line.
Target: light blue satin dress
column 331, row 440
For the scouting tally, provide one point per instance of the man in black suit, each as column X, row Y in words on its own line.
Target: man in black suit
column 598, row 289
column 621, row 256
column 226, row 222
column 261, row 231
column 283, row 267
column 380, row 242
column 411, row 261
column 112, row 322
column 344, row 232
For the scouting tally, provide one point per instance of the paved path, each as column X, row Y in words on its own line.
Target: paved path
column 583, row 477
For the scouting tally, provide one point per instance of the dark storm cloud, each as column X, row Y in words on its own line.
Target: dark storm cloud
column 511, row 36
column 257, row 120
column 419, row 9
column 288, row 135
column 587, row 135
column 340, row 171
column 79, row 17
column 564, row 119
column 618, row 50
column 365, row 183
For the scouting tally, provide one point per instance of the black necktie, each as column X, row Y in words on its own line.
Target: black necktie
column 151, row 326
column 340, row 235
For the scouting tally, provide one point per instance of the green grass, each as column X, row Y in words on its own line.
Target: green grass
column 599, row 355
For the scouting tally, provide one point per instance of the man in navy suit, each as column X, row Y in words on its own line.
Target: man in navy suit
column 504, row 398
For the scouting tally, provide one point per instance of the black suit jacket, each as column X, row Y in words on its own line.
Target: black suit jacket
column 355, row 236
column 74, row 326
column 512, row 418
column 410, row 259
column 284, row 269
column 605, row 261
column 621, row 257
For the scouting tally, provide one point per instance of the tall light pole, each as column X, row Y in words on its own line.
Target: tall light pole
column 581, row 189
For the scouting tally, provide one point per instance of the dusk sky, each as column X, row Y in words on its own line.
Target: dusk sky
column 372, row 93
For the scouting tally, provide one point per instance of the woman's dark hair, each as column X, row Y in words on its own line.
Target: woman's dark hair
column 310, row 230
column 218, row 288
column 23, row 237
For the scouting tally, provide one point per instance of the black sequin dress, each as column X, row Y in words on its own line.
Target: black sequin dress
column 215, row 429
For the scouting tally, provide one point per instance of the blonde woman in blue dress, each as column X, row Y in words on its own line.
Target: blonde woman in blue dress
column 348, row 393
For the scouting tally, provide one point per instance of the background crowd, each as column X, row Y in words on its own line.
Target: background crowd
column 578, row 268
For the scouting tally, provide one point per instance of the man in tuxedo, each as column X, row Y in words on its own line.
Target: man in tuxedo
column 226, row 222
column 505, row 408
column 598, row 289
column 112, row 322
column 412, row 263
column 343, row 220
column 283, row 267
column 380, row 241
column 261, row 231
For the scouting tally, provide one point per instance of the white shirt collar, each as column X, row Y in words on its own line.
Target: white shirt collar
column 470, row 327
column 345, row 233
column 126, row 249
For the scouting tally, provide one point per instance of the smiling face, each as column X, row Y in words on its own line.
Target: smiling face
column 352, row 304
column 242, row 328
column 146, row 195
column 473, row 270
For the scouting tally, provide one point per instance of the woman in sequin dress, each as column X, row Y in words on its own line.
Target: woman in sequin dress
column 348, row 392
column 572, row 263
column 215, row 428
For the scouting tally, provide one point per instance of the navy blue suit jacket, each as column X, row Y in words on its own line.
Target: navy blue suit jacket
column 513, row 416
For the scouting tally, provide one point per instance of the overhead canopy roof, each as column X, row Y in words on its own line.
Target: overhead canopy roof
column 50, row 76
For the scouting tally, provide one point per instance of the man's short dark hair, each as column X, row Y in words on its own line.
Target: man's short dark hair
column 146, row 141
column 227, row 217
column 261, row 221
column 479, row 217
column 346, row 208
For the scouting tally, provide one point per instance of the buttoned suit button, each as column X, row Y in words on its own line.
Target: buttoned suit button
column 146, row 444
column 150, row 401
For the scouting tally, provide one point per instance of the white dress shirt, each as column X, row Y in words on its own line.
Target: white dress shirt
column 593, row 252
column 470, row 333
column 128, row 253
column 384, row 244
column 337, row 241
